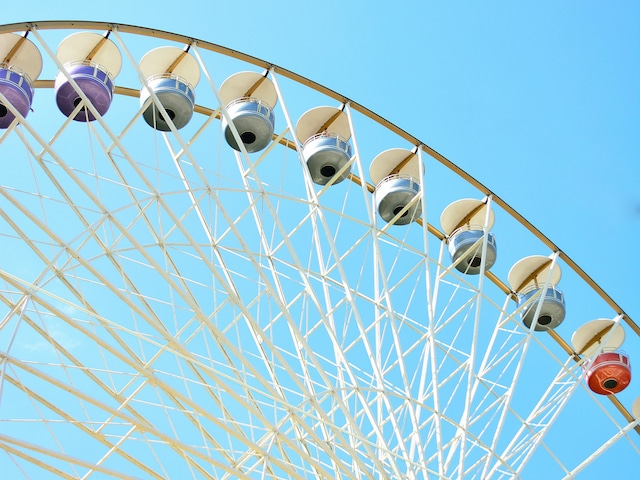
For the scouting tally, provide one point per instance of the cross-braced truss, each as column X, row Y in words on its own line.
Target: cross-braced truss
column 173, row 308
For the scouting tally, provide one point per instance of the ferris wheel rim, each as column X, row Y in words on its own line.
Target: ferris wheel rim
column 163, row 34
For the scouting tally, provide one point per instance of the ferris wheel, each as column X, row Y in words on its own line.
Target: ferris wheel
column 212, row 267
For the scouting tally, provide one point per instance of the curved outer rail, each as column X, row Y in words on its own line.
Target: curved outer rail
column 149, row 32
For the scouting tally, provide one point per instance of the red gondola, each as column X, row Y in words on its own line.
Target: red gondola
column 608, row 373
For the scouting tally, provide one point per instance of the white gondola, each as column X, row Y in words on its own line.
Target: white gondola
column 171, row 73
column 324, row 133
column 396, row 173
column 249, row 99
column 543, row 307
column 465, row 222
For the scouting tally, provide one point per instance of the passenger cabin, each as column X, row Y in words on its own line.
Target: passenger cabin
column 20, row 66
column 396, row 173
column 249, row 99
column 534, row 280
column 465, row 222
column 168, row 96
column 85, row 85
column 324, row 133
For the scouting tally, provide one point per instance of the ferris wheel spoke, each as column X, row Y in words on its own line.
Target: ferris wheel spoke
column 389, row 317
column 296, row 335
column 76, row 362
column 466, row 317
column 620, row 434
column 544, row 414
column 521, row 355
column 316, row 301
column 473, row 350
column 136, row 421
column 95, row 433
column 249, row 254
column 17, row 447
column 276, row 284
column 104, row 282
column 313, row 200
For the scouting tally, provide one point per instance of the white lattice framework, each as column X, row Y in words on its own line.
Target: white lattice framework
column 172, row 308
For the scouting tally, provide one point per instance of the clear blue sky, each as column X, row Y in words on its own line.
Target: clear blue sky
column 540, row 102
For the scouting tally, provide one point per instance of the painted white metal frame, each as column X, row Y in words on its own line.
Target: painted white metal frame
column 426, row 398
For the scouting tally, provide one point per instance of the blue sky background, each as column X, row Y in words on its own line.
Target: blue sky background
column 541, row 102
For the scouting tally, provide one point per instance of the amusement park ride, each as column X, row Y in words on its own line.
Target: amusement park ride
column 84, row 89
